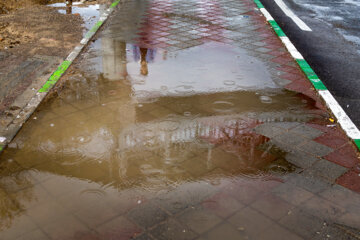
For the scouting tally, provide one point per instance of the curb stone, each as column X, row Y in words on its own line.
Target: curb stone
column 35, row 101
column 345, row 122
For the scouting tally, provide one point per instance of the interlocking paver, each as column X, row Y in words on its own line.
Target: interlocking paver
column 147, row 215
column 272, row 206
column 199, row 220
column 316, row 149
column 326, row 169
column 301, row 159
column 302, row 223
column 224, row 168
column 172, row 229
column 292, row 194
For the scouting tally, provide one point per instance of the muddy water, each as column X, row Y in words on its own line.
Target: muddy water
column 138, row 136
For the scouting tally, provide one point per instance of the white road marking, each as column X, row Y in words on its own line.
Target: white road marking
column 266, row 14
column 349, row 127
column 292, row 15
column 291, row 48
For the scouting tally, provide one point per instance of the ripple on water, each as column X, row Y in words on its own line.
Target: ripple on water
column 229, row 82
column 223, row 106
column 266, row 99
column 94, row 191
column 184, row 89
column 169, row 125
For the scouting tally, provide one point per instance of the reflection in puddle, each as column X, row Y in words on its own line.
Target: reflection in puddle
column 135, row 124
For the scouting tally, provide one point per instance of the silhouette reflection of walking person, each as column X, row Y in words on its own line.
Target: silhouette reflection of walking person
column 144, row 68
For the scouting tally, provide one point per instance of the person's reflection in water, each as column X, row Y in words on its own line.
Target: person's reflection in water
column 69, row 6
column 145, row 55
column 144, row 68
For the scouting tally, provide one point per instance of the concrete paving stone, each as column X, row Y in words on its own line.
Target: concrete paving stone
column 302, row 223
column 21, row 225
column 245, row 194
column 172, row 230
column 322, row 208
column 307, row 131
column 326, row 169
column 265, row 56
column 336, row 231
column 290, row 139
column 350, row 219
column 96, row 214
column 147, row 215
column 316, row 149
column 185, row 196
column 268, row 130
column 286, row 125
column 225, row 231
column 222, row 204
column 272, row 206
column 34, row 235
column 310, row 183
column 291, row 193
column 250, row 222
column 284, row 147
column 301, row 159
column 118, row 228
column 143, row 236
column 276, row 232
column 72, row 226
column 199, row 219
column 342, row 196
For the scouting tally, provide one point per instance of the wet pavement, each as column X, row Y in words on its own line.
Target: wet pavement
column 183, row 120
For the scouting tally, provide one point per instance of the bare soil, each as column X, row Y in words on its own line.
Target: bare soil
column 39, row 30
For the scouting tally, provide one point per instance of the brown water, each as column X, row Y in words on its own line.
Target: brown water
column 138, row 137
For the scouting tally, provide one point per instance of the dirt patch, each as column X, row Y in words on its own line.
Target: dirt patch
column 11, row 5
column 39, row 30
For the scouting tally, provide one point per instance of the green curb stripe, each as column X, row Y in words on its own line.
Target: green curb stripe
column 114, row 4
column 55, row 77
column 93, row 29
column 311, row 75
column 259, row 4
column 277, row 28
column 357, row 142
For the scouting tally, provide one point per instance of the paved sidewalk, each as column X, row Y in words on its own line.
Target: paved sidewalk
column 182, row 120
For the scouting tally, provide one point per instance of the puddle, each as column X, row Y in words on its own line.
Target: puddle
column 89, row 13
column 136, row 129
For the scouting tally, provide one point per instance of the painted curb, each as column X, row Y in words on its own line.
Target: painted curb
column 343, row 119
column 35, row 101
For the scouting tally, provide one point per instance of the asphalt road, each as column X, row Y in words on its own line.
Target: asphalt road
column 332, row 48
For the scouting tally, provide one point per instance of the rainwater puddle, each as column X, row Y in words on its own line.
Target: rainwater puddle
column 144, row 135
column 89, row 13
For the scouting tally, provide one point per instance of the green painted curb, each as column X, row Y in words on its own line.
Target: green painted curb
column 259, row 4
column 357, row 142
column 94, row 29
column 311, row 75
column 114, row 4
column 55, row 77
column 277, row 28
